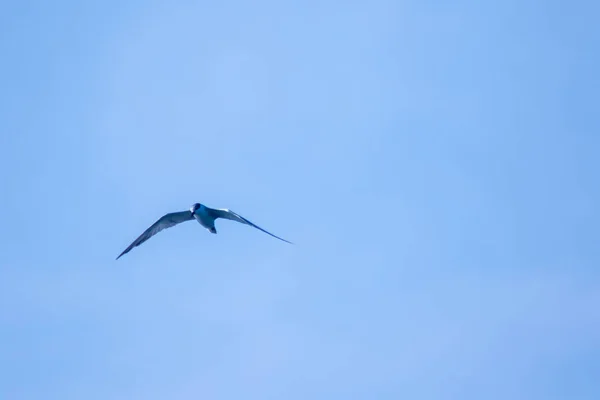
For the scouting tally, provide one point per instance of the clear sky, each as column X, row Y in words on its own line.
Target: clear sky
column 436, row 163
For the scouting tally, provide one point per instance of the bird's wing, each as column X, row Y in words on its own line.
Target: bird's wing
column 164, row 222
column 228, row 214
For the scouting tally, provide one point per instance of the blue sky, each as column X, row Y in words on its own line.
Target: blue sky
column 436, row 165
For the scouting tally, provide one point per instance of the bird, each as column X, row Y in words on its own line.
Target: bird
column 205, row 216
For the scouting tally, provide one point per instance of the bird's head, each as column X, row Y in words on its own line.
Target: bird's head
column 195, row 207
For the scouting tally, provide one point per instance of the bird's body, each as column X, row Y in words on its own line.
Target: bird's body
column 205, row 216
column 202, row 215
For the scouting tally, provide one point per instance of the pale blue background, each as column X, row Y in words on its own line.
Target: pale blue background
column 436, row 164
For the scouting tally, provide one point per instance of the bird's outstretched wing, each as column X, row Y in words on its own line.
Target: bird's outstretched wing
column 165, row 222
column 228, row 214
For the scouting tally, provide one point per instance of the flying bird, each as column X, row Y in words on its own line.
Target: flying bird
column 205, row 216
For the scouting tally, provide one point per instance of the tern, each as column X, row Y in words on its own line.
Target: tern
column 205, row 216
